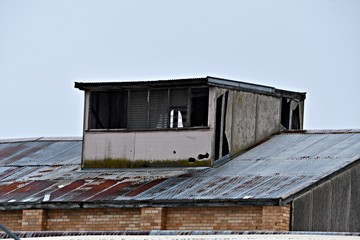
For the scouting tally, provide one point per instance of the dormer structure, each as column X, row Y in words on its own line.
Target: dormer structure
column 181, row 123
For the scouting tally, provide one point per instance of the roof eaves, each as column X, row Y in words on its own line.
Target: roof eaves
column 41, row 139
column 149, row 83
column 240, row 85
column 131, row 203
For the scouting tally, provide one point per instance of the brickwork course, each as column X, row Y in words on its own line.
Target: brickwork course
column 272, row 218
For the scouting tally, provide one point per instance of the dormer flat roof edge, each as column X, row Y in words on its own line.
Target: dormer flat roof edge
column 208, row 80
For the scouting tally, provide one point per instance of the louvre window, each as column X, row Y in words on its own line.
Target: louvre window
column 149, row 109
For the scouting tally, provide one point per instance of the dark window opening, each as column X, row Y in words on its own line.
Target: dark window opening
column 295, row 120
column 285, row 112
column 290, row 114
column 199, row 114
column 107, row 110
column 221, row 142
column 149, row 109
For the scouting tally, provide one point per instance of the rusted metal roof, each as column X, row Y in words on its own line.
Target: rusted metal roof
column 46, row 171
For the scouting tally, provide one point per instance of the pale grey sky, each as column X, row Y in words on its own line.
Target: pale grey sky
column 300, row 45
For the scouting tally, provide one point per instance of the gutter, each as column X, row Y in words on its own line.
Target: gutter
column 140, row 204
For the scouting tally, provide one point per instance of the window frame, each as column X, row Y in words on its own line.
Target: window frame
column 169, row 107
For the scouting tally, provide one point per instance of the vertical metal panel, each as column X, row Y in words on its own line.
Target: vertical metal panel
column 138, row 109
column 354, row 218
column 302, row 212
column 158, row 107
column 340, row 202
column 321, row 214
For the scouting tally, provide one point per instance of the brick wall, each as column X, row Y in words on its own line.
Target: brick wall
column 276, row 218
column 33, row 220
column 153, row 218
column 179, row 218
column 94, row 219
column 11, row 219
column 215, row 218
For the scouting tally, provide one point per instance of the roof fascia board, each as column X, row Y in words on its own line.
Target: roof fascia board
column 139, row 204
column 211, row 81
column 140, row 84
column 240, row 85
column 250, row 87
column 300, row 96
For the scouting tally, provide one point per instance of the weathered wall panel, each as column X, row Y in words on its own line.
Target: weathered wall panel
column 321, row 214
column 268, row 117
column 243, row 122
column 302, row 212
column 108, row 145
column 172, row 145
column 255, row 117
column 354, row 218
column 141, row 149
column 340, row 202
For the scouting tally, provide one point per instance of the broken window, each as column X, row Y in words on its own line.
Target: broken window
column 179, row 105
column 107, row 109
column 290, row 114
column 221, row 142
column 199, row 99
column 149, row 109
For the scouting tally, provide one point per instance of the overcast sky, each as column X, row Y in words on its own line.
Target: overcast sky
column 300, row 45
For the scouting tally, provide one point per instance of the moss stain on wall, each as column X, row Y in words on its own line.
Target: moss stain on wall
column 126, row 163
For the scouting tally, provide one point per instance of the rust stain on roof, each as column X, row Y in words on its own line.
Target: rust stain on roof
column 44, row 171
column 64, row 189
column 112, row 192
column 145, row 187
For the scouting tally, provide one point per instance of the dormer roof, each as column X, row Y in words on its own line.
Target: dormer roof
column 208, row 80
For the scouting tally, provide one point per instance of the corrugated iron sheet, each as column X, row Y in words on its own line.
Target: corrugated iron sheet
column 48, row 171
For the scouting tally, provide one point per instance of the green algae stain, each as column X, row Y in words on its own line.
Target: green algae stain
column 126, row 163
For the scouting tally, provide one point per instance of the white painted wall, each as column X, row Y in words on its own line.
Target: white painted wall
column 147, row 145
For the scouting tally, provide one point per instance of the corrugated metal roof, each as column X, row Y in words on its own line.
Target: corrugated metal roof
column 48, row 171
